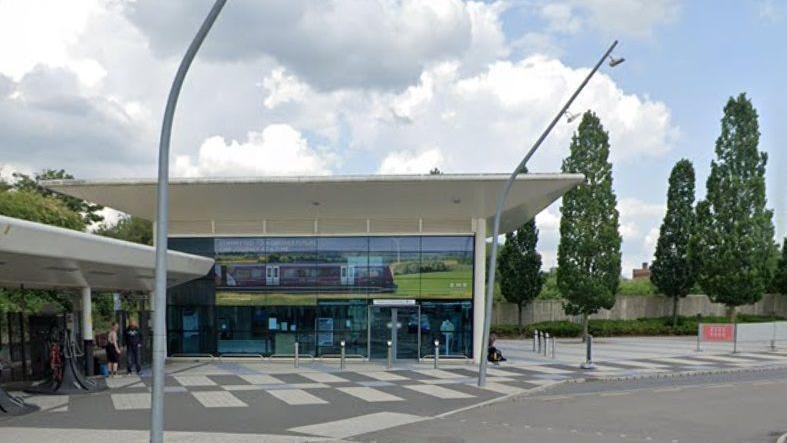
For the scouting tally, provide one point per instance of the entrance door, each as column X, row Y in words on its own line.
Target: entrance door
column 400, row 325
column 272, row 275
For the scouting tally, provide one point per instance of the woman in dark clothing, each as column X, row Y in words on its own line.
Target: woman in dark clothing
column 493, row 354
column 113, row 350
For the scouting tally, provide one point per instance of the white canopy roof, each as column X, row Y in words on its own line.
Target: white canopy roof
column 42, row 256
column 216, row 202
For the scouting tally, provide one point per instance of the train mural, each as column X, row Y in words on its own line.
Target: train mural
column 305, row 276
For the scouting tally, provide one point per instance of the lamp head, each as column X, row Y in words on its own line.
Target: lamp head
column 615, row 61
column 571, row 117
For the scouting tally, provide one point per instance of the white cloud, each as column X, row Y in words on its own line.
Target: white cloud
column 560, row 17
column 402, row 162
column 621, row 18
column 504, row 108
column 651, row 239
column 770, row 11
column 282, row 88
column 547, row 221
column 41, row 32
column 630, row 207
column 277, row 150
column 336, row 44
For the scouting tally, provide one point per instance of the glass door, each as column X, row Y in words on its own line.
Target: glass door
column 399, row 325
column 379, row 331
column 408, row 320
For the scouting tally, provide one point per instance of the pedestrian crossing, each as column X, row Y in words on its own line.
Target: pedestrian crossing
column 297, row 397
column 215, row 386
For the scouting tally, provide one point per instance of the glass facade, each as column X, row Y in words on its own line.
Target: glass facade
column 266, row 293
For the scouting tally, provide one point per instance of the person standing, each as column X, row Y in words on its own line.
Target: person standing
column 133, row 347
column 113, row 350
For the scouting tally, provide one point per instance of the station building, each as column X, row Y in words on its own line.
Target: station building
column 321, row 260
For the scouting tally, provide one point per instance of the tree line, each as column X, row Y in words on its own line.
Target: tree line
column 25, row 198
column 724, row 244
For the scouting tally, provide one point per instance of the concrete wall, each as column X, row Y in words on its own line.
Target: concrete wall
column 631, row 307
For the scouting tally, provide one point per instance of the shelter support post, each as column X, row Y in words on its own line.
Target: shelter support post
column 87, row 330
column 479, row 280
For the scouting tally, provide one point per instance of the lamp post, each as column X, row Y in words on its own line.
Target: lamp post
column 162, row 215
column 501, row 199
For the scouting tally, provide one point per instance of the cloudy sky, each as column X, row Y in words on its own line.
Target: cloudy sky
column 390, row 86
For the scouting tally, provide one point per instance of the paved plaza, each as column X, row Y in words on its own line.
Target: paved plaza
column 234, row 400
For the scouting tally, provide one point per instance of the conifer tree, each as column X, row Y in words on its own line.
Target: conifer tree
column 588, row 271
column 521, row 278
column 733, row 249
column 672, row 272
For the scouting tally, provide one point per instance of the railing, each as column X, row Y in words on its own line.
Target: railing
column 187, row 355
column 243, row 355
column 768, row 335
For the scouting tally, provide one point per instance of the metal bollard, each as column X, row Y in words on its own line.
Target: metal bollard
column 341, row 360
column 735, row 339
column 546, row 343
column 535, row 337
column 773, row 340
column 588, row 364
column 554, row 340
column 539, row 341
column 296, row 360
column 390, row 355
column 436, row 353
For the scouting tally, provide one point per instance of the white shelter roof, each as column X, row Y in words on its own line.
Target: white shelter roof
column 371, row 197
column 48, row 257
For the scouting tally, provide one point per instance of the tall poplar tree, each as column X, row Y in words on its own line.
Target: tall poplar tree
column 734, row 246
column 780, row 279
column 588, row 270
column 521, row 278
column 672, row 272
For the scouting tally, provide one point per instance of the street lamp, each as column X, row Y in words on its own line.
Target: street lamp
column 571, row 117
column 615, row 61
column 162, row 231
column 501, row 199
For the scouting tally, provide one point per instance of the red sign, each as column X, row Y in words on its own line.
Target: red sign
column 718, row 332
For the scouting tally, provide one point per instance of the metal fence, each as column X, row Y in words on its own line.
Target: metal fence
column 744, row 336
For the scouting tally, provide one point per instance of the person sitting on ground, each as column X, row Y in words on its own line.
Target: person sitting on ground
column 493, row 354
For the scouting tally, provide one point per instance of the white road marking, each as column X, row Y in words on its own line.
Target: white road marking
column 261, row 379
column 48, row 401
column 682, row 361
column 358, row 425
column 194, row 380
column 322, row 377
column 540, row 382
column 40, row 434
column 546, row 370
column 296, row 397
column 243, row 387
column 370, row 394
column 218, row 399
column 604, row 368
column 638, row 364
column 501, row 388
column 123, row 381
column 501, row 373
column 384, row 376
column 123, row 402
column 438, row 373
column 777, row 357
column 438, row 391
column 719, row 358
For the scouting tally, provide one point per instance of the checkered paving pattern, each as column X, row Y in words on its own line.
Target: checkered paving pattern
column 240, row 385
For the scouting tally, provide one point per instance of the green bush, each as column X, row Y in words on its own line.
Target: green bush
column 619, row 328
